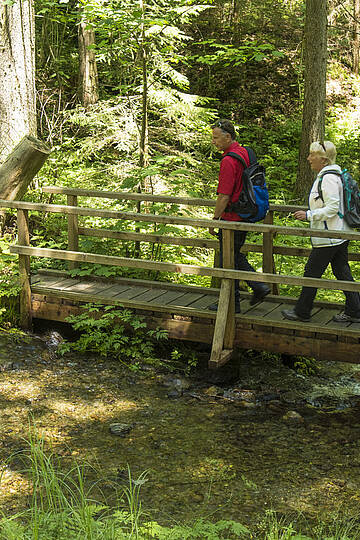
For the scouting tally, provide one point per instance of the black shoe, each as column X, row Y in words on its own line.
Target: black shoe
column 343, row 318
column 213, row 307
column 259, row 295
column 292, row 316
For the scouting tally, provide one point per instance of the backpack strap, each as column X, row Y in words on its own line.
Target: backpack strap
column 238, row 157
column 329, row 171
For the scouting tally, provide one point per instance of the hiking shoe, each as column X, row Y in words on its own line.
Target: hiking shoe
column 343, row 318
column 292, row 316
column 259, row 295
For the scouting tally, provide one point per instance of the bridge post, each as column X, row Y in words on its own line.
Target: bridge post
column 268, row 252
column 24, row 270
column 73, row 229
column 224, row 332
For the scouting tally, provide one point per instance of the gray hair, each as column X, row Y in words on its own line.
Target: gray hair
column 325, row 149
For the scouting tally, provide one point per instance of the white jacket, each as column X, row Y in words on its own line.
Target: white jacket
column 323, row 214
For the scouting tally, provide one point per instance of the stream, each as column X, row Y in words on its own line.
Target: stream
column 229, row 444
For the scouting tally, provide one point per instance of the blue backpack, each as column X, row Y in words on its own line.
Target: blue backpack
column 253, row 202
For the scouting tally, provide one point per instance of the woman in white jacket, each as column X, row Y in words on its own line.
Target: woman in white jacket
column 325, row 205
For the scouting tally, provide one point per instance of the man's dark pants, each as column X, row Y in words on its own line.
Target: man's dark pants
column 240, row 261
column 316, row 265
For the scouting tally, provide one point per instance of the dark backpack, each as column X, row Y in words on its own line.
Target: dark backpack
column 351, row 197
column 253, row 202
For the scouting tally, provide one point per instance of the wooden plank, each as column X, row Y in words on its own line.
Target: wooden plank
column 187, row 299
column 332, row 284
column 131, row 281
column 221, row 320
column 116, row 291
column 229, row 262
column 126, row 195
column 109, row 299
column 259, row 310
column 204, row 302
column 151, row 295
column 65, row 284
column 295, row 345
column 169, row 297
column 154, row 238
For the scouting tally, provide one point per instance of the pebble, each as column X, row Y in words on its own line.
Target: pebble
column 293, row 417
column 211, row 391
column 121, row 430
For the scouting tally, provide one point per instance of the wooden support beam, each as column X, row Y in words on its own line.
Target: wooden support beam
column 73, row 229
column 221, row 323
column 268, row 251
column 24, row 271
column 228, row 262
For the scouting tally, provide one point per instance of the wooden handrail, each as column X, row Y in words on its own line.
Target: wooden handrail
column 179, row 220
column 184, row 268
column 130, row 196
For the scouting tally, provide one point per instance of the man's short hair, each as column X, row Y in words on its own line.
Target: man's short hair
column 226, row 126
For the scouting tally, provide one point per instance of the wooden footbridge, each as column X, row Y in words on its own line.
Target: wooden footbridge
column 180, row 309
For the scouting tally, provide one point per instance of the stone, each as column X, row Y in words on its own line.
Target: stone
column 293, row 417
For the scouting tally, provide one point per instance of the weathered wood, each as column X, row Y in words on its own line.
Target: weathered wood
column 24, row 271
column 228, row 262
column 128, row 196
column 332, row 284
column 73, row 229
column 106, row 298
column 153, row 238
column 268, row 251
column 176, row 220
column 143, row 282
column 337, row 351
column 21, row 166
column 224, row 357
column 221, row 321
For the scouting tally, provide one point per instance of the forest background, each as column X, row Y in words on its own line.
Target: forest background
column 125, row 94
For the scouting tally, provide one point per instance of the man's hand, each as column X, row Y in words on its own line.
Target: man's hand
column 300, row 214
column 212, row 231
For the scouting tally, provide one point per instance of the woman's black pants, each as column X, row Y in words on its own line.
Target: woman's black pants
column 316, row 265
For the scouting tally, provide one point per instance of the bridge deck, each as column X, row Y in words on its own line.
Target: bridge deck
column 182, row 310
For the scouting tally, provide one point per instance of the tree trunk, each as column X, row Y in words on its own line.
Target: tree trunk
column 88, row 76
column 313, row 118
column 17, row 68
column 21, row 166
column 356, row 42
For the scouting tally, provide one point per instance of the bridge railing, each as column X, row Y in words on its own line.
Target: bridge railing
column 225, row 320
column 268, row 248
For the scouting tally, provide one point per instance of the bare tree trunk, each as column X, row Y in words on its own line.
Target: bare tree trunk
column 315, row 57
column 17, row 68
column 21, row 166
column 88, row 76
column 356, row 42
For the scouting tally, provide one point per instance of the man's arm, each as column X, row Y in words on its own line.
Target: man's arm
column 221, row 203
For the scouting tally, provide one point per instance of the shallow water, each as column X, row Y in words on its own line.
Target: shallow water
column 231, row 443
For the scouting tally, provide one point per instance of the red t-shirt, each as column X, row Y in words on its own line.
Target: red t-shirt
column 230, row 182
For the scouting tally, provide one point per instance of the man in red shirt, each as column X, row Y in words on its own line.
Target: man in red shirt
column 229, row 189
